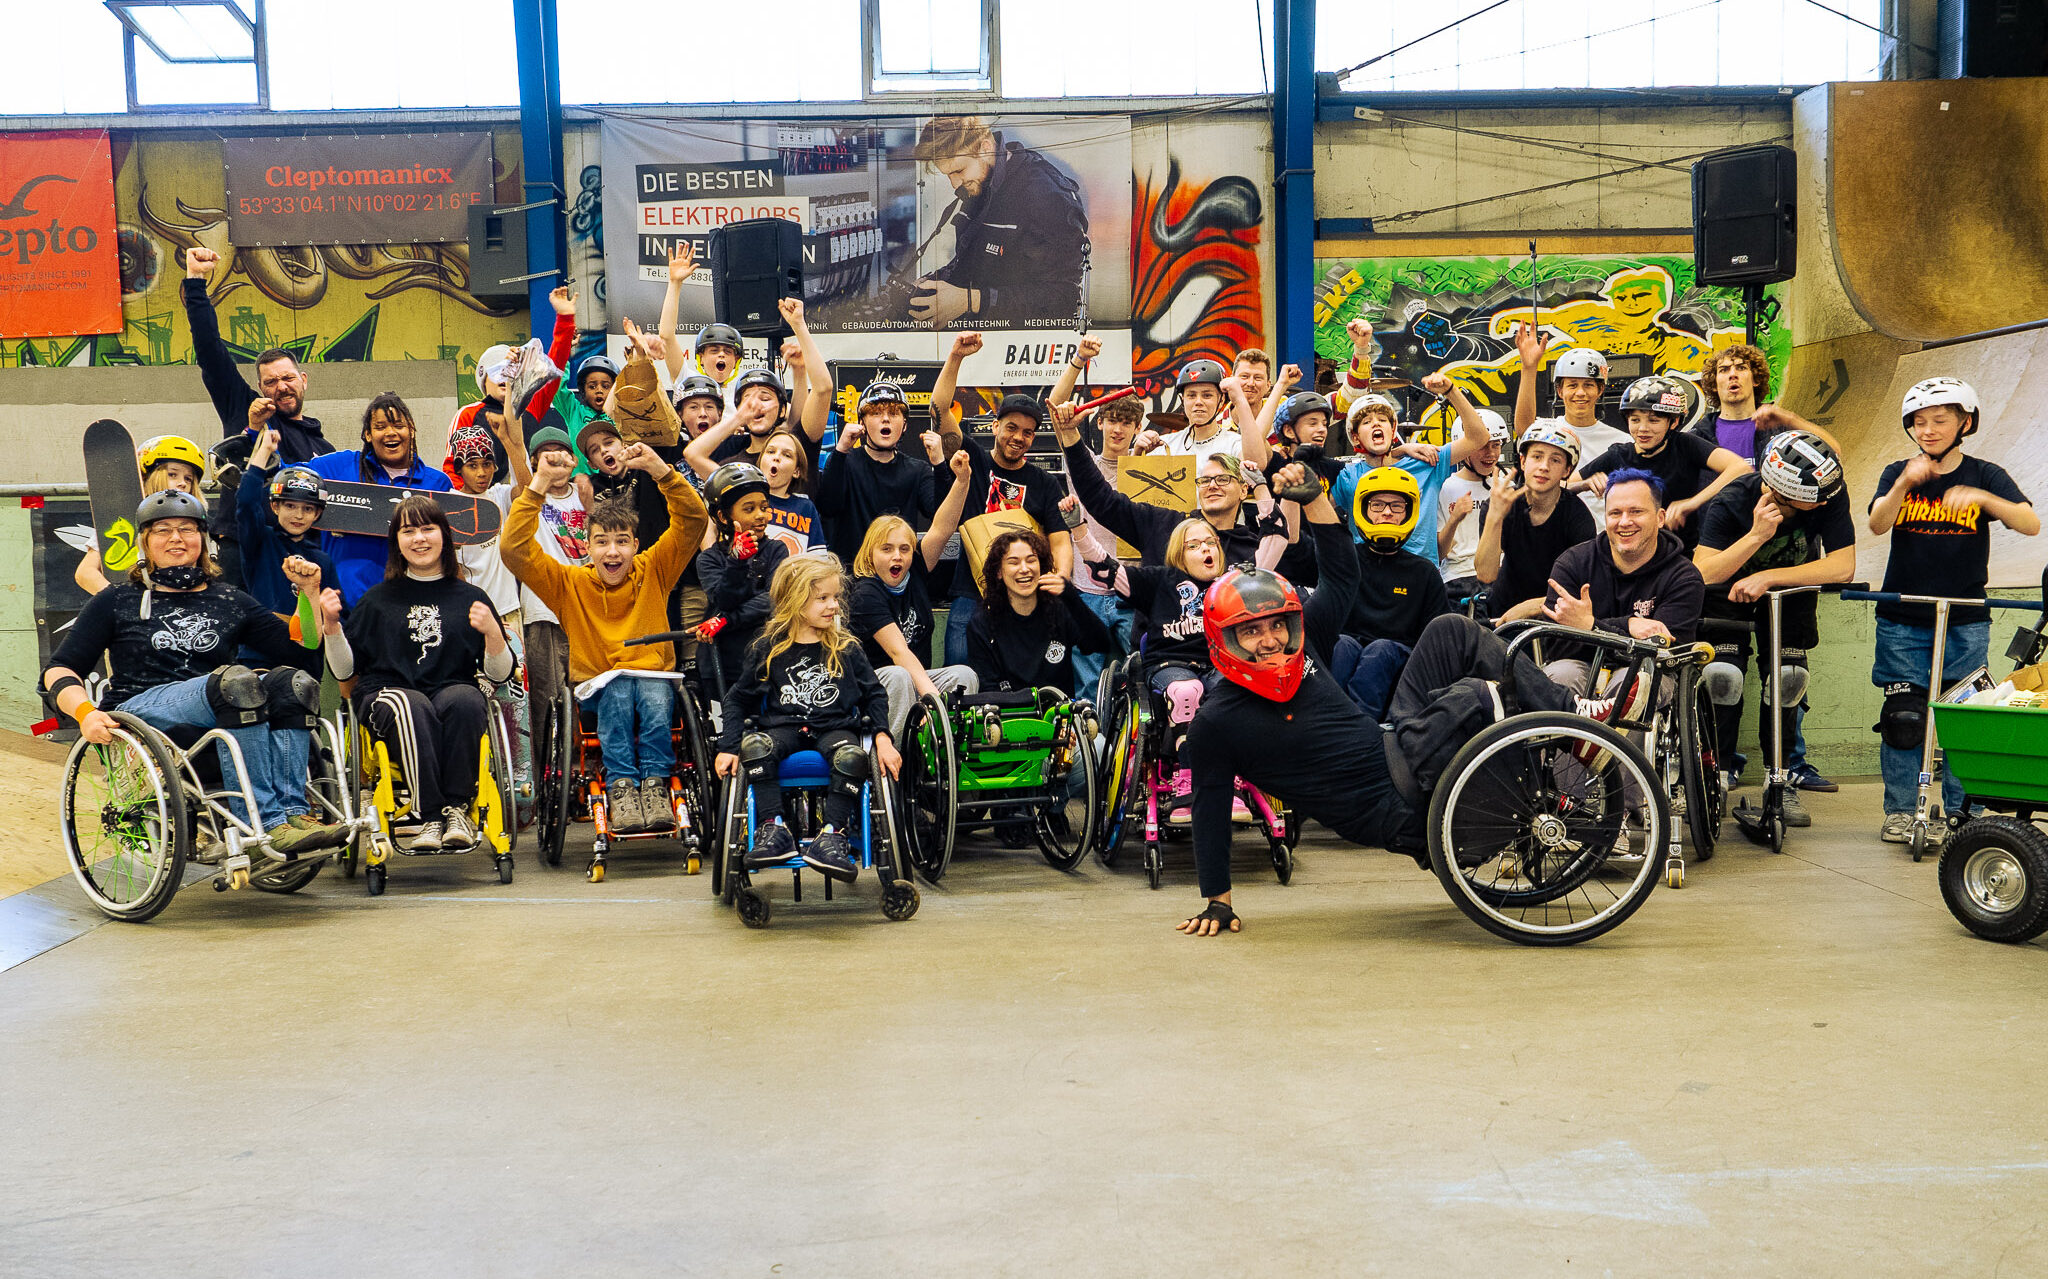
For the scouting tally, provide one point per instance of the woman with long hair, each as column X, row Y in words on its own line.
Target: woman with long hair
column 390, row 455
column 414, row 645
column 1029, row 623
column 806, row 685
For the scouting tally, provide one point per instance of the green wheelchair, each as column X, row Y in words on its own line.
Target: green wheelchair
column 1020, row 764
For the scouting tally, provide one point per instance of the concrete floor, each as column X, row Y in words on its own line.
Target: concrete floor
column 1794, row 1065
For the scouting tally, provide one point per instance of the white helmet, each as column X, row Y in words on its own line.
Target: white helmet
column 1496, row 427
column 1580, row 361
column 492, row 358
column 1364, row 402
column 1940, row 390
column 1554, row 432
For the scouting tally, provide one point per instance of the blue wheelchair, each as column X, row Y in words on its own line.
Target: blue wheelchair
column 877, row 835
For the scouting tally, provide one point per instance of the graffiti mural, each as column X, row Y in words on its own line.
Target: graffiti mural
column 1195, row 277
column 323, row 304
column 1457, row 315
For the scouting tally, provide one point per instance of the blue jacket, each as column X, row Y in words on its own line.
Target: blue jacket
column 358, row 560
column 265, row 546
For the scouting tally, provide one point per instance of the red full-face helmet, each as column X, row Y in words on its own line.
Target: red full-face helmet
column 1247, row 595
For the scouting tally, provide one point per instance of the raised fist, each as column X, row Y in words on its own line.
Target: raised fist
column 965, row 345
column 744, row 545
column 199, row 263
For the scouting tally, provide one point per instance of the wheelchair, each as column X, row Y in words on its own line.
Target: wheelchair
column 569, row 780
column 386, row 801
column 1022, row 762
column 1137, row 780
column 136, row 811
column 877, row 836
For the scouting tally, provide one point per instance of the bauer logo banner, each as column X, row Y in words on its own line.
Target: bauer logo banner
column 60, row 264
column 386, row 188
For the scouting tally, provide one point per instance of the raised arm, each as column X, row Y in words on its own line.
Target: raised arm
column 812, row 407
column 1127, row 519
column 1070, row 377
column 1471, row 427
column 948, row 383
column 687, row 518
column 1252, row 440
column 946, row 520
column 682, row 259
column 1529, row 346
column 519, row 544
column 231, row 395
column 698, row 453
column 1501, row 497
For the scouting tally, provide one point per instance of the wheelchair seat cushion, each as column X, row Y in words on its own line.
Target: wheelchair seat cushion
column 1003, row 699
column 804, row 768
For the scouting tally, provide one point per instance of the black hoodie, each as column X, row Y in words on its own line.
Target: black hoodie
column 1668, row 588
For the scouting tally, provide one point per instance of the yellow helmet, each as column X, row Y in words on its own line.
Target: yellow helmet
column 1386, row 538
column 170, row 448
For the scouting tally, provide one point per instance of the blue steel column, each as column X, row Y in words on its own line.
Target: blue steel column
column 1294, row 219
column 540, row 150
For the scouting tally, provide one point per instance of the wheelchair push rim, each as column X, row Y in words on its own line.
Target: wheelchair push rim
column 127, row 833
column 928, row 791
column 1065, row 824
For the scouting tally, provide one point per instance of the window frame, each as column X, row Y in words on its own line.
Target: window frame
column 259, row 54
column 876, row 84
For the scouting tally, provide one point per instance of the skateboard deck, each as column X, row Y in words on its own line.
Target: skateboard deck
column 365, row 510
column 115, row 488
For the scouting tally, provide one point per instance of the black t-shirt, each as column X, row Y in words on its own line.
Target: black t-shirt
column 1398, row 594
column 992, row 488
column 1803, row 536
column 1012, row 652
column 412, row 634
column 1171, row 603
column 853, row 490
column 646, row 497
column 799, row 688
column 1528, row 550
column 872, row 606
column 187, row 633
column 1681, row 465
column 1939, row 550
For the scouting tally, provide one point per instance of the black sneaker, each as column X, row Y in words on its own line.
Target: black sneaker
column 773, row 846
column 1805, row 778
column 829, row 854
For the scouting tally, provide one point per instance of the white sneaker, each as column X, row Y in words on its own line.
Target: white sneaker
column 458, row 832
column 1897, row 828
column 427, row 839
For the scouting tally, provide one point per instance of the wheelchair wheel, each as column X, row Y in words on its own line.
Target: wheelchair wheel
column 1706, row 795
column 289, row 880
column 1124, row 766
column 754, row 912
column 1065, row 824
column 700, row 783
column 729, row 877
column 507, row 815
column 127, row 832
column 929, row 789
column 1522, row 829
column 1994, row 877
column 555, row 783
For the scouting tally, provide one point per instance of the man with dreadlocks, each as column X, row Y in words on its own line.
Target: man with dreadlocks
column 390, row 455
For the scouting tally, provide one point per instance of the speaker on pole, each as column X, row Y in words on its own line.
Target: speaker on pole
column 1742, row 216
column 754, row 265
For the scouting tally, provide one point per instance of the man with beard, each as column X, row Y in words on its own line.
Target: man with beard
column 1020, row 236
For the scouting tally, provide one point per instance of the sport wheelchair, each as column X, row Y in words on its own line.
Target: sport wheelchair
column 386, row 801
column 569, row 780
column 878, row 833
column 1021, row 761
column 1137, row 781
column 136, row 810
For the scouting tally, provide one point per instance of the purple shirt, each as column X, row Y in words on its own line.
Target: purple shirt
column 1737, row 435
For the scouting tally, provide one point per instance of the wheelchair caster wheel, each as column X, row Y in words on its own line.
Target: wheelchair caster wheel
column 596, row 873
column 1154, row 866
column 238, row 879
column 899, row 900
column 1283, row 861
column 753, row 908
column 694, row 865
column 1674, row 874
column 504, row 870
column 373, row 879
column 220, row 885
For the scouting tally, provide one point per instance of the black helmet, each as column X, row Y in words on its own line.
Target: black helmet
column 297, row 484
column 696, row 387
column 1656, row 395
column 1800, row 466
column 880, row 392
column 1199, row 372
column 595, row 364
column 719, row 335
column 760, row 375
column 169, row 504
column 731, row 482
column 1298, row 405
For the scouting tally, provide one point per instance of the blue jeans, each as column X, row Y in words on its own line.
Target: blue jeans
column 960, row 610
column 1905, row 655
column 1368, row 672
column 276, row 757
column 1116, row 615
column 633, row 728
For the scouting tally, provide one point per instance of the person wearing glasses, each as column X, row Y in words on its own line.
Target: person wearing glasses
column 1399, row 592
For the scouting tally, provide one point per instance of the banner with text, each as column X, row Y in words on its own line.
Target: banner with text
column 379, row 188
column 913, row 230
column 60, row 260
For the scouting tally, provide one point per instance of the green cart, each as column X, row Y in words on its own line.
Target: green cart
column 1994, row 869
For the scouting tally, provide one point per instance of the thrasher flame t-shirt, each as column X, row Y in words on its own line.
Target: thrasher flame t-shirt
column 1939, row 549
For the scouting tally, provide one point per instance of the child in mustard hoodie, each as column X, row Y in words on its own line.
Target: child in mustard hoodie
column 622, row 592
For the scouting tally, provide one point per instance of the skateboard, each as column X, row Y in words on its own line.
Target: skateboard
column 114, row 486
column 365, row 510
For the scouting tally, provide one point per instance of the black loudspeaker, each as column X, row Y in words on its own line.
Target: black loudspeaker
column 1742, row 216
column 754, row 265
column 497, row 251
column 1991, row 38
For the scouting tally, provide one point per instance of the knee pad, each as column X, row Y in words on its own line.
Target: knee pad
column 1903, row 722
column 757, row 749
column 236, row 695
column 1183, row 698
column 291, row 698
column 1723, row 681
column 1792, row 680
column 849, row 768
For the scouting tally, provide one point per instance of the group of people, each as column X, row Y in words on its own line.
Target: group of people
column 1323, row 598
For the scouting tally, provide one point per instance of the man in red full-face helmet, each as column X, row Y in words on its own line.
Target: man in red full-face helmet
column 1279, row 720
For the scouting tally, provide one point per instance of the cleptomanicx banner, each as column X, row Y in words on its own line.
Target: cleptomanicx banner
column 380, row 188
